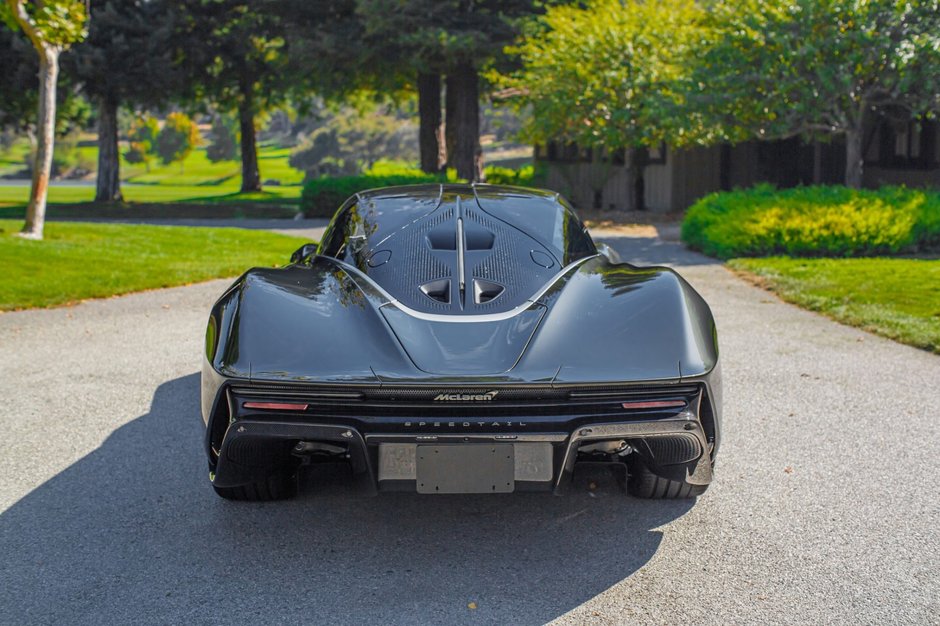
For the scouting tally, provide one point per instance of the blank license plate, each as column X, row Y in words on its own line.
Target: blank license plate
column 473, row 468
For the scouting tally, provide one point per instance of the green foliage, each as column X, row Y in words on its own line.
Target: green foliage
column 177, row 138
column 896, row 298
column 58, row 23
column 127, row 57
column 142, row 137
column 78, row 261
column 603, row 73
column 813, row 221
column 351, row 141
column 525, row 176
column 321, row 197
column 223, row 140
column 777, row 68
column 436, row 35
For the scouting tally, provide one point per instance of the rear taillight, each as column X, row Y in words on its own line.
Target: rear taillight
column 276, row 406
column 654, row 404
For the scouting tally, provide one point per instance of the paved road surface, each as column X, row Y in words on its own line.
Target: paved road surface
column 824, row 510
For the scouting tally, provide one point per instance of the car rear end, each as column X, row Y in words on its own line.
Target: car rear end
column 476, row 438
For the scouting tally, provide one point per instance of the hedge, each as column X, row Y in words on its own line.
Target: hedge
column 321, row 197
column 813, row 221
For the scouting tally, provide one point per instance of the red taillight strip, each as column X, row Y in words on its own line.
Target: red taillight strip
column 276, row 406
column 654, row 404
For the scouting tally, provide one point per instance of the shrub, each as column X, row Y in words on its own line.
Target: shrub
column 177, row 138
column 525, row 176
column 141, row 137
column 813, row 221
column 322, row 196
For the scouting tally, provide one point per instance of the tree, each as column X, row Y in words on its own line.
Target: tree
column 51, row 26
column 223, row 140
column 142, row 138
column 235, row 56
column 603, row 75
column 177, row 138
column 125, row 60
column 783, row 68
column 457, row 38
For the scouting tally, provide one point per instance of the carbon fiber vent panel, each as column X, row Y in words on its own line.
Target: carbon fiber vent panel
column 415, row 263
column 424, row 255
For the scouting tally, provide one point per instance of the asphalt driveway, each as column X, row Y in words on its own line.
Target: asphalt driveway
column 824, row 508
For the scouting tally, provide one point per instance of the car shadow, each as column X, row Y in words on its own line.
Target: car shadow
column 132, row 532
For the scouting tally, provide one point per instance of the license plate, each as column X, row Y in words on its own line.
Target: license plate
column 460, row 468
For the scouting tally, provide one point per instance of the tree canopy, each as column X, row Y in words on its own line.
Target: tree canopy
column 780, row 68
column 605, row 73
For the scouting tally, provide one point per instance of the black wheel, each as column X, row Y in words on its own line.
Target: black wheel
column 645, row 484
column 276, row 487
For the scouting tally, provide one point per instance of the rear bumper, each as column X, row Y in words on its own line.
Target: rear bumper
column 676, row 447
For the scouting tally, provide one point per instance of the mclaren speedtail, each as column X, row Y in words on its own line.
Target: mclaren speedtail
column 460, row 339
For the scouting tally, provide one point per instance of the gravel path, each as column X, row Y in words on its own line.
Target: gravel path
column 822, row 510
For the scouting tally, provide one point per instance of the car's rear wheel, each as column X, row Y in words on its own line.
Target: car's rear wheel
column 278, row 486
column 643, row 483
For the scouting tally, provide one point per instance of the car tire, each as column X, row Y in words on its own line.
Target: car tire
column 645, row 484
column 276, row 487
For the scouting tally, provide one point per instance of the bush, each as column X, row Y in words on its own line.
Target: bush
column 813, row 221
column 321, row 197
column 525, row 176
column 141, row 138
column 177, row 138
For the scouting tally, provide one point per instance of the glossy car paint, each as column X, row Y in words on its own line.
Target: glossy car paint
column 355, row 314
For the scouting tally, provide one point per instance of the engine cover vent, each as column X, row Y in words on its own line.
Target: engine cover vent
column 485, row 290
column 438, row 290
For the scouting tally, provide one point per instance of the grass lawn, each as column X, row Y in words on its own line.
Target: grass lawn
column 78, row 261
column 894, row 297
column 196, row 181
column 196, row 169
column 59, row 194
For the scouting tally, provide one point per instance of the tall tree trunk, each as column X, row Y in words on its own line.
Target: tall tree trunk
column 467, row 153
column 109, row 159
column 45, row 136
column 450, row 120
column 430, row 131
column 854, row 159
column 251, row 176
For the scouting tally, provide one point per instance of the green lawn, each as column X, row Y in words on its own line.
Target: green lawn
column 195, row 170
column 78, row 261
column 152, row 193
column 196, row 180
column 894, row 297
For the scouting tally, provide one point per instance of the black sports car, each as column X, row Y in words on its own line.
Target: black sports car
column 460, row 339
